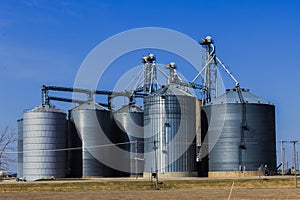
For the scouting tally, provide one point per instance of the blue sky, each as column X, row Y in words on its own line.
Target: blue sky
column 45, row 42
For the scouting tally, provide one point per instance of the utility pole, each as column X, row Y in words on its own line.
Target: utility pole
column 282, row 157
column 295, row 160
column 155, row 163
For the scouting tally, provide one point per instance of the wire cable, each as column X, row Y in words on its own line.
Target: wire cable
column 68, row 149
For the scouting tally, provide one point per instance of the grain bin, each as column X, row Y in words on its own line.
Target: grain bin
column 44, row 143
column 241, row 134
column 99, row 133
column 130, row 118
column 169, row 119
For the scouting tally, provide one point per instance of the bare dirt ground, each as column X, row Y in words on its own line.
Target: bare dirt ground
column 170, row 194
column 128, row 188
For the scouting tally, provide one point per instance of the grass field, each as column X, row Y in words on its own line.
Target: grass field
column 277, row 188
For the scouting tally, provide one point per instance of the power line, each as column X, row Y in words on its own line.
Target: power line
column 79, row 148
column 68, row 149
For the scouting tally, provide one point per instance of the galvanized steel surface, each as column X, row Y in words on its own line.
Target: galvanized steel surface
column 240, row 146
column 198, row 122
column 232, row 96
column 130, row 119
column 44, row 131
column 20, row 148
column 169, row 114
column 99, row 133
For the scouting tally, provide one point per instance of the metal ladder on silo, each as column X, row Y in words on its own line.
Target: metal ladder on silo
column 243, row 126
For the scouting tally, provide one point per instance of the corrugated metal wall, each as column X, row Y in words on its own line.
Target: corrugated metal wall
column 170, row 120
column 259, row 136
column 99, row 133
column 44, row 131
column 131, row 120
column 20, row 148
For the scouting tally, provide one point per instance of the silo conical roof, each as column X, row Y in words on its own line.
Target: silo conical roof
column 90, row 105
column 130, row 108
column 172, row 89
column 232, row 96
column 45, row 108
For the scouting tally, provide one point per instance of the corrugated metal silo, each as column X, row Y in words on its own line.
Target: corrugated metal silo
column 99, row 134
column 44, row 131
column 241, row 133
column 20, row 148
column 131, row 119
column 169, row 119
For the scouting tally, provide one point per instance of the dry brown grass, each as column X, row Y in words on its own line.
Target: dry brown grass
column 66, row 186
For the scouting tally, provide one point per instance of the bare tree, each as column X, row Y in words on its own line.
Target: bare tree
column 7, row 143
